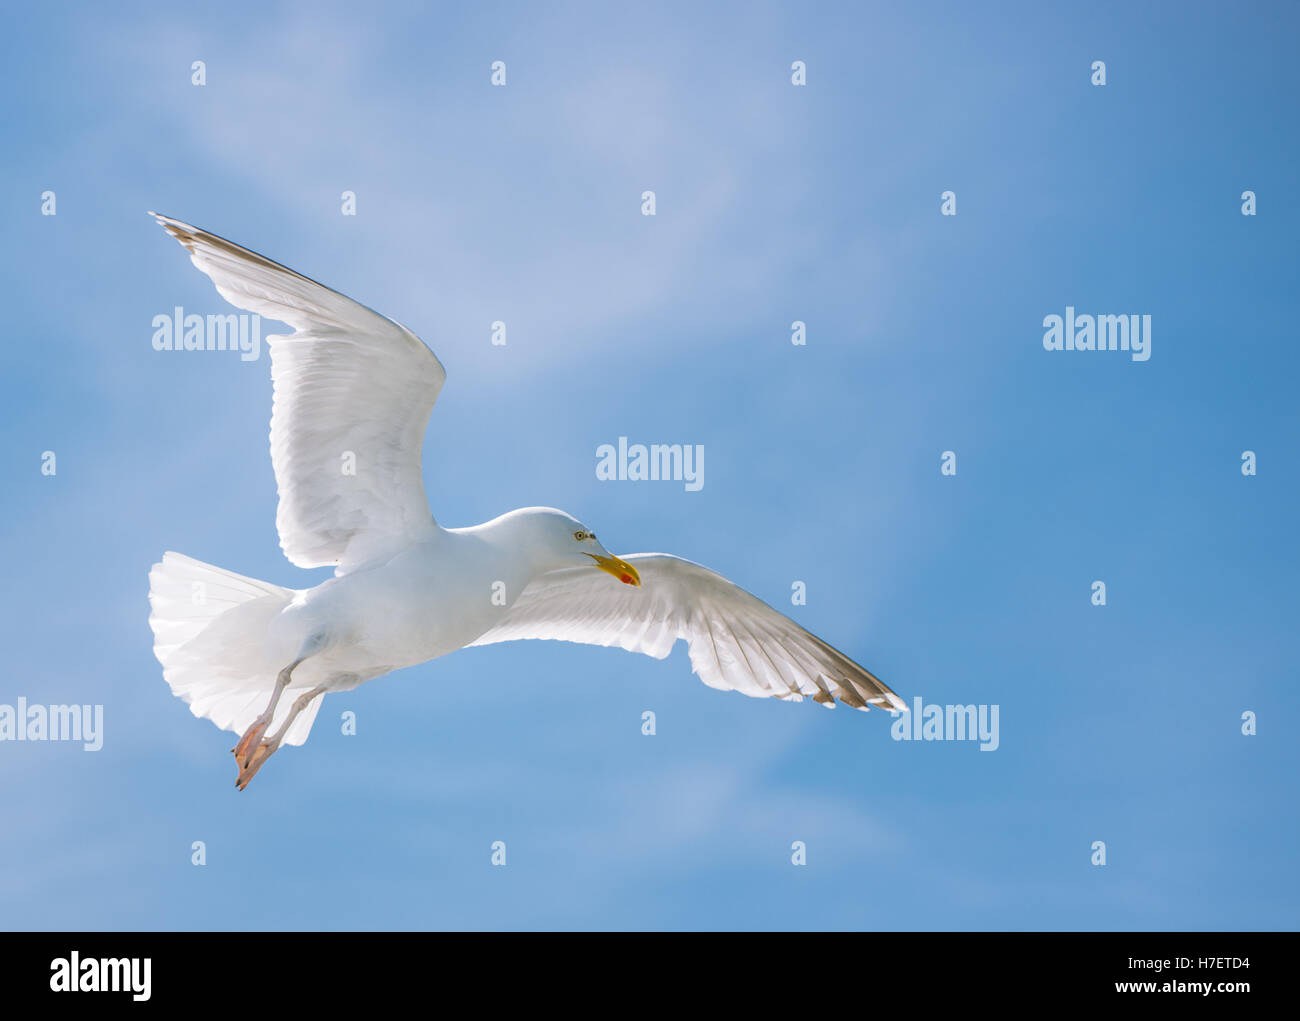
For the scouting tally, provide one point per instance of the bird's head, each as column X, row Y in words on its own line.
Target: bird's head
column 564, row 541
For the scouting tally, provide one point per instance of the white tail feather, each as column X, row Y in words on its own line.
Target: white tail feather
column 212, row 636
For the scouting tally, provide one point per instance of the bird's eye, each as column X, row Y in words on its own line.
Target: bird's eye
column 579, row 536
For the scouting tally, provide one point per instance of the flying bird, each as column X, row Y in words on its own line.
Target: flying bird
column 352, row 385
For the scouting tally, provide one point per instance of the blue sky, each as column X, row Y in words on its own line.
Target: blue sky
column 775, row 203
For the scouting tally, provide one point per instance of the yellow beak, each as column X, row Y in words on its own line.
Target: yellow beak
column 620, row 569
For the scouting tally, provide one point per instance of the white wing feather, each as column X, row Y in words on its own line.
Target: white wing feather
column 347, row 381
column 737, row 642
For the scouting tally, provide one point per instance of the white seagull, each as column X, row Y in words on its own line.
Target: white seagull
column 354, row 387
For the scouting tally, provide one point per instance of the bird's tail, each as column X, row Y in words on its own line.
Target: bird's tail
column 213, row 637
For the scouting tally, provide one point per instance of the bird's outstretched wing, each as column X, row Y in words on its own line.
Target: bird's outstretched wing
column 736, row 641
column 353, row 392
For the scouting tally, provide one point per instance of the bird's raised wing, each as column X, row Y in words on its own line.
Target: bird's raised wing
column 737, row 642
column 353, row 392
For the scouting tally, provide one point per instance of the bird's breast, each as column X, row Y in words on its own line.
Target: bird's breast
column 426, row 603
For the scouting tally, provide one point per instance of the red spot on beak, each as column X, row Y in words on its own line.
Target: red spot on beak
column 626, row 579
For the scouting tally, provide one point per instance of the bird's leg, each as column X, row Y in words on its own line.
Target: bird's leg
column 243, row 751
column 267, row 748
column 258, row 727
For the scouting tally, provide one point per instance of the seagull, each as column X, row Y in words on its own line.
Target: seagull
column 353, row 391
